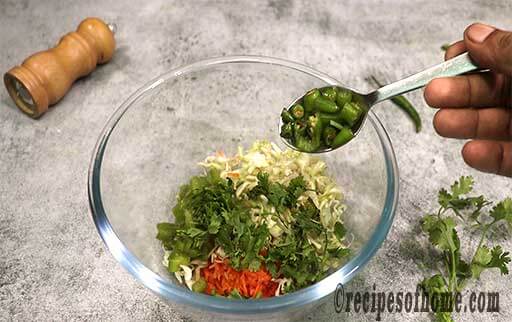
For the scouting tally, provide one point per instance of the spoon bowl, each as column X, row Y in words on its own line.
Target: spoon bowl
column 452, row 67
column 362, row 101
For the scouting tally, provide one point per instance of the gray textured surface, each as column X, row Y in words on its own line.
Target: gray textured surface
column 53, row 265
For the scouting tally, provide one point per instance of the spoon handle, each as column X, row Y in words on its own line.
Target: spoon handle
column 458, row 65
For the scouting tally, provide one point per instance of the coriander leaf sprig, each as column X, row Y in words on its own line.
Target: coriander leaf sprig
column 456, row 208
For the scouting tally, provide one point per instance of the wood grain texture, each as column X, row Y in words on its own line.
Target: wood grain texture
column 48, row 75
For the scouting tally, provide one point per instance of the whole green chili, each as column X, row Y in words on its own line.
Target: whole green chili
column 406, row 106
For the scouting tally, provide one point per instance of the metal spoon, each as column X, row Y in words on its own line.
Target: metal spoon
column 452, row 67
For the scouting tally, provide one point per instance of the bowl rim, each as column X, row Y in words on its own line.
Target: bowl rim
column 182, row 295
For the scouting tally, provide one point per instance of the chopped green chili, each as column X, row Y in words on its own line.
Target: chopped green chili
column 343, row 137
column 324, row 118
column 330, row 93
column 318, row 129
column 350, row 113
column 298, row 129
column 335, row 124
column 175, row 260
column 329, row 135
column 297, row 111
column 310, row 98
column 324, row 104
column 287, row 130
column 343, row 97
column 305, row 145
column 286, row 116
column 199, row 286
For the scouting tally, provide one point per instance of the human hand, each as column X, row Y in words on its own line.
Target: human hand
column 478, row 106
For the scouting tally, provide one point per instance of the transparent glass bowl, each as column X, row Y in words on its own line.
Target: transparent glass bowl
column 153, row 142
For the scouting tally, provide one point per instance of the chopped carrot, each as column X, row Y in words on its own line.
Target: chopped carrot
column 223, row 279
column 233, row 175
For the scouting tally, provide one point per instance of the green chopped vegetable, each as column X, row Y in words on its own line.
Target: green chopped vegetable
column 309, row 100
column 336, row 124
column 350, row 113
column 235, row 294
column 258, row 295
column 175, row 260
column 326, row 105
column 327, row 118
column 318, row 110
column 343, row 136
column 299, row 130
column 199, row 286
column 343, row 97
column 287, row 130
column 445, row 47
column 297, row 111
column 458, row 208
column 329, row 135
column 329, row 92
column 303, row 144
column 317, row 128
column 286, row 116
column 166, row 231
column 339, row 230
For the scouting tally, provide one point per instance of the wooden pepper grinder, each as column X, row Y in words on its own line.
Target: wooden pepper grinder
column 45, row 77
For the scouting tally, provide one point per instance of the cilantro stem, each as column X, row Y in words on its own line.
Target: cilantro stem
column 453, row 274
column 441, row 212
column 456, row 212
column 484, row 234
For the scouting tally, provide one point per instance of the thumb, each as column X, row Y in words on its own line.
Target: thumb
column 489, row 47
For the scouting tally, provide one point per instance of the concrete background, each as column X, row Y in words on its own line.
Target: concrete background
column 53, row 265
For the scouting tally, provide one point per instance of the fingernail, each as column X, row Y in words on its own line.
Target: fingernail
column 479, row 32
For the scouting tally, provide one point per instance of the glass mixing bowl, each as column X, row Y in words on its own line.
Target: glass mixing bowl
column 153, row 142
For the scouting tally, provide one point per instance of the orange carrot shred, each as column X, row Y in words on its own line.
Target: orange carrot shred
column 223, row 279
